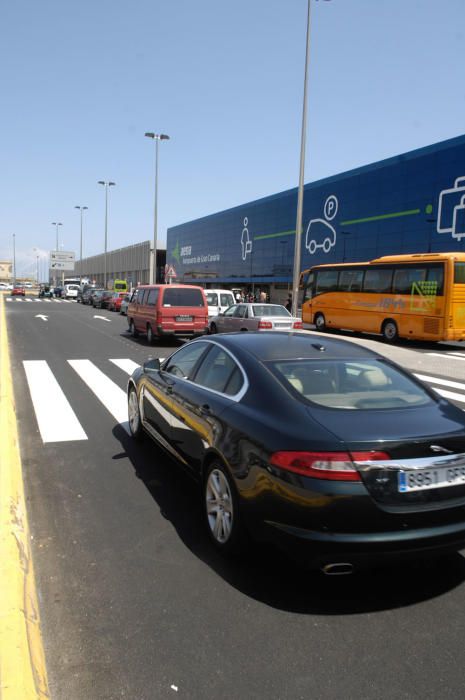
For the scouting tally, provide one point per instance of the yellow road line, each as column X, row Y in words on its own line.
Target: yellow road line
column 23, row 674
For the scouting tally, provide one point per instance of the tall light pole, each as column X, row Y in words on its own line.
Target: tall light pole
column 56, row 223
column 14, row 259
column 37, row 275
column 153, row 257
column 300, row 195
column 106, row 184
column 81, row 209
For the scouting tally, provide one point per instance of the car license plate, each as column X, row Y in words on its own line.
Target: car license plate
column 282, row 325
column 183, row 318
column 421, row 480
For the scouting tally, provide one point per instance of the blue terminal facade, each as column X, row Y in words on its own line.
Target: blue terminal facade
column 411, row 203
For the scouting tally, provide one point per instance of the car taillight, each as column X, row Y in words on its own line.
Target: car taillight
column 265, row 324
column 298, row 324
column 335, row 466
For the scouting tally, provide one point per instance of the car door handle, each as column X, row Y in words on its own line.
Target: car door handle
column 169, row 389
column 205, row 410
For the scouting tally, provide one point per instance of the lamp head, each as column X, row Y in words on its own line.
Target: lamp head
column 150, row 134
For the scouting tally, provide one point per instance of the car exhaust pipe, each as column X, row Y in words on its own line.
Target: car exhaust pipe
column 338, row 569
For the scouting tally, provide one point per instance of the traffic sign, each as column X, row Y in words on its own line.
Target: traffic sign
column 62, row 260
column 170, row 272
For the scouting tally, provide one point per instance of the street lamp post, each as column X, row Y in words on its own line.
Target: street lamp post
column 300, row 195
column 56, row 224
column 81, row 209
column 14, row 259
column 153, row 257
column 106, row 184
column 37, row 273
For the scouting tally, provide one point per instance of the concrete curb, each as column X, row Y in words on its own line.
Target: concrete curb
column 22, row 663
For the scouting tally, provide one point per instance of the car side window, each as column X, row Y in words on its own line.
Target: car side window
column 240, row 310
column 219, row 372
column 231, row 311
column 184, row 361
column 152, row 297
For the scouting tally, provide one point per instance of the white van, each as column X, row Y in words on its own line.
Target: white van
column 71, row 291
column 218, row 300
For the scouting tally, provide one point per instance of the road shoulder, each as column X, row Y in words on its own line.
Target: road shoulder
column 22, row 664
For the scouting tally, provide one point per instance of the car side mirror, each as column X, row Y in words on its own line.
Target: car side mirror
column 152, row 365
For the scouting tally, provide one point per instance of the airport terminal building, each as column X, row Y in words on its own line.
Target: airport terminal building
column 411, row 203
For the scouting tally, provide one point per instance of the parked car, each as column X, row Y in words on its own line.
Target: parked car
column 124, row 304
column 219, row 300
column 18, row 291
column 254, row 317
column 3, row 287
column 82, row 291
column 96, row 296
column 71, row 291
column 116, row 298
column 101, row 302
column 45, row 291
column 87, row 296
column 168, row 310
column 323, row 447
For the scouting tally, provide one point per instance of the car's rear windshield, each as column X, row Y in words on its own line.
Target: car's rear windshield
column 350, row 384
column 183, row 297
column 270, row 310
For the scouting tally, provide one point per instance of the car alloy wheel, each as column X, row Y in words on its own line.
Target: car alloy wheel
column 135, row 423
column 224, row 522
column 149, row 334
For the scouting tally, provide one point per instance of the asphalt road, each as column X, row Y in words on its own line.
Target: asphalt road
column 134, row 601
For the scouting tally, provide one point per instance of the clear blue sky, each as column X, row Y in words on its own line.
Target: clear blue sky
column 82, row 80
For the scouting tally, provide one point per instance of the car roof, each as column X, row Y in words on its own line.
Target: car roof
column 277, row 345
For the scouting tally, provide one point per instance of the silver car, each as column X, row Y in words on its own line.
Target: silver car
column 254, row 317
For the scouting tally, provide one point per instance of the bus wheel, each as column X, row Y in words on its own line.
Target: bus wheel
column 389, row 331
column 320, row 322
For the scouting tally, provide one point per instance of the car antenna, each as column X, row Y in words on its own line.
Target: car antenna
column 319, row 347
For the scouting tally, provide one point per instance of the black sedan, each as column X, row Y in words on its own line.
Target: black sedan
column 322, row 447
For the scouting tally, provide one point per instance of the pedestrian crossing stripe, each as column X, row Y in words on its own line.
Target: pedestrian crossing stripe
column 41, row 301
column 55, row 417
column 58, row 422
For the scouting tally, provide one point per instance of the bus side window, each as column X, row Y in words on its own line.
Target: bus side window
column 308, row 290
column 326, row 281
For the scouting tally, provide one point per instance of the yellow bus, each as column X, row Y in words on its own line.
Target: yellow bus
column 419, row 296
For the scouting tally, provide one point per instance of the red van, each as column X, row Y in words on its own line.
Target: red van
column 168, row 310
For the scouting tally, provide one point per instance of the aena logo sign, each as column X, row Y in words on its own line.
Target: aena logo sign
column 451, row 210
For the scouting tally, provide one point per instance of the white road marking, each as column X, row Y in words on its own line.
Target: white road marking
column 448, row 354
column 56, row 419
column 27, row 299
column 126, row 365
column 42, row 316
column 49, row 301
column 104, row 318
column 113, row 398
column 9, row 299
column 58, row 301
column 18, row 299
column 443, row 382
